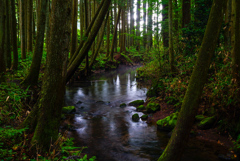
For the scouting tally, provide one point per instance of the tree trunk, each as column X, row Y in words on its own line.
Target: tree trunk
column 33, row 74
column 150, row 11
column 144, row 24
column 14, row 37
column 227, row 33
column 22, row 29
column 132, row 32
column 170, row 19
column 108, row 34
column 48, row 14
column 85, row 48
column 165, row 23
column 7, row 44
column 46, row 132
column 74, row 27
column 138, row 25
column 115, row 33
column 29, row 26
column 2, row 39
column 186, row 14
column 179, row 138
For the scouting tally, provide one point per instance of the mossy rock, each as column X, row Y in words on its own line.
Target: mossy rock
column 155, row 89
column 136, row 103
column 199, row 117
column 141, row 108
column 168, row 123
column 123, row 105
column 153, row 107
column 144, row 117
column 207, row 123
column 68, row 109
column 135, row 117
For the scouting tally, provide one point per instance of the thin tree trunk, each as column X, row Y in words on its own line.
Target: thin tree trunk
column 33, row 74
column 22, row 29
column 29, row 26
column 138, row 25
column 7, row 47
column 170, row 19
column 115, row 33
column 150, row 11
column 144, row 24
column 179, row 138
column 74, row 27
column 186, row 14
column 108, row 34
column 165, row 23
column 14, row 37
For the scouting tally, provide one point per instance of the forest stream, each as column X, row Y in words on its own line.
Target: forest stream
column 108, row 130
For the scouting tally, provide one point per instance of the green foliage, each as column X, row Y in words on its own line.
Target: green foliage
column 168, row 123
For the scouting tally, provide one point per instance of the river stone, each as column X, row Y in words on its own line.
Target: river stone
column 141, row 108
column 135, row 117
column 168, row 123
column 136, row 103
column 144, row 117
column 207, row 123
column 68, row 109
column 123, row 105
column 153, row 107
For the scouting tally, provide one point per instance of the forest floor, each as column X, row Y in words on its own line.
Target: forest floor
column 222, row 143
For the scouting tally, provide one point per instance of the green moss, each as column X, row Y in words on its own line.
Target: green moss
column 199, row 117
column 68, row 109
column 153, row 107
column 136, row 103
column 140, row 108
column 123, row 105
column 135, row 117
column 144, row 117
column 207, row 123
column 168, row 123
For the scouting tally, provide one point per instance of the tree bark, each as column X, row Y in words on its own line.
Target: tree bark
column 186, row 14
column 2, row 39
column 46, row 132
column 14, row 37
column 132, row 32
column 29, row 26
column 74, row 27
column 85, row 48
column 138, row 25
column 22, row 29
column 170, row 19
column 165, row 23
column 7, row 44
column 179, row 138
column 150, row 11
column 33, row 74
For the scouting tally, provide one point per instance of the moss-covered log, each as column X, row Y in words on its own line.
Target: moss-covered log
column 179, row 139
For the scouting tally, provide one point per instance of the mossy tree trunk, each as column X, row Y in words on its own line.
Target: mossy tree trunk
column 144, row 24
column 170, row 20
column 138, row 25
column 46, row 132
column 74, row 27
column 2, row 39
column 7, row 44
column 179, row 138
column 22, row 28
column 88, row 42
column 33, row 74
column 165, row 23
column 14, row 36
column 149, row 27
column 29, row 26
column 131, row 23
column 186, row 14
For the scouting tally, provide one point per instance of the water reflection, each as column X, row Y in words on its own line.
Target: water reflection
column 107, row 129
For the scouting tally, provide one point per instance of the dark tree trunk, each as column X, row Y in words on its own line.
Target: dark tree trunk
column 74, row 27
column 46, row 132
column 2, row 39
column 165, row 23
column 179, row 138
column 138, row 25
column 7, row 46
column 23, row 29
column 186, row 14
column 29, row 26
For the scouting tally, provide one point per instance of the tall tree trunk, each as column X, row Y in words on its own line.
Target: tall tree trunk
column 138, row 25
column 108, row 35
column 29, row 25
column 86, row 26
column 186, row 14
column 14, row 37
column 115, row 33
column 2, row 39
column 115, row 21
column 33, row 74
column 85, row 48
column 170, row 19
column 131, row 23
column 46, row 132
column 144, row 24
column 74, row 27
column 175, row 26
column 123, row 35
column 179, row 138
column 48, row 14
column 81, row 19
column 150, row 11
column 165, row 23
column 233, row 14
column 22, row 28
column 227, row 31
column 7, row 44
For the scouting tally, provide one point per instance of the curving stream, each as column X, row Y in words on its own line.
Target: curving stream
column 108, row 130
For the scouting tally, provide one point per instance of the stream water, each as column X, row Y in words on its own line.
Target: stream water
column 108, row 130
